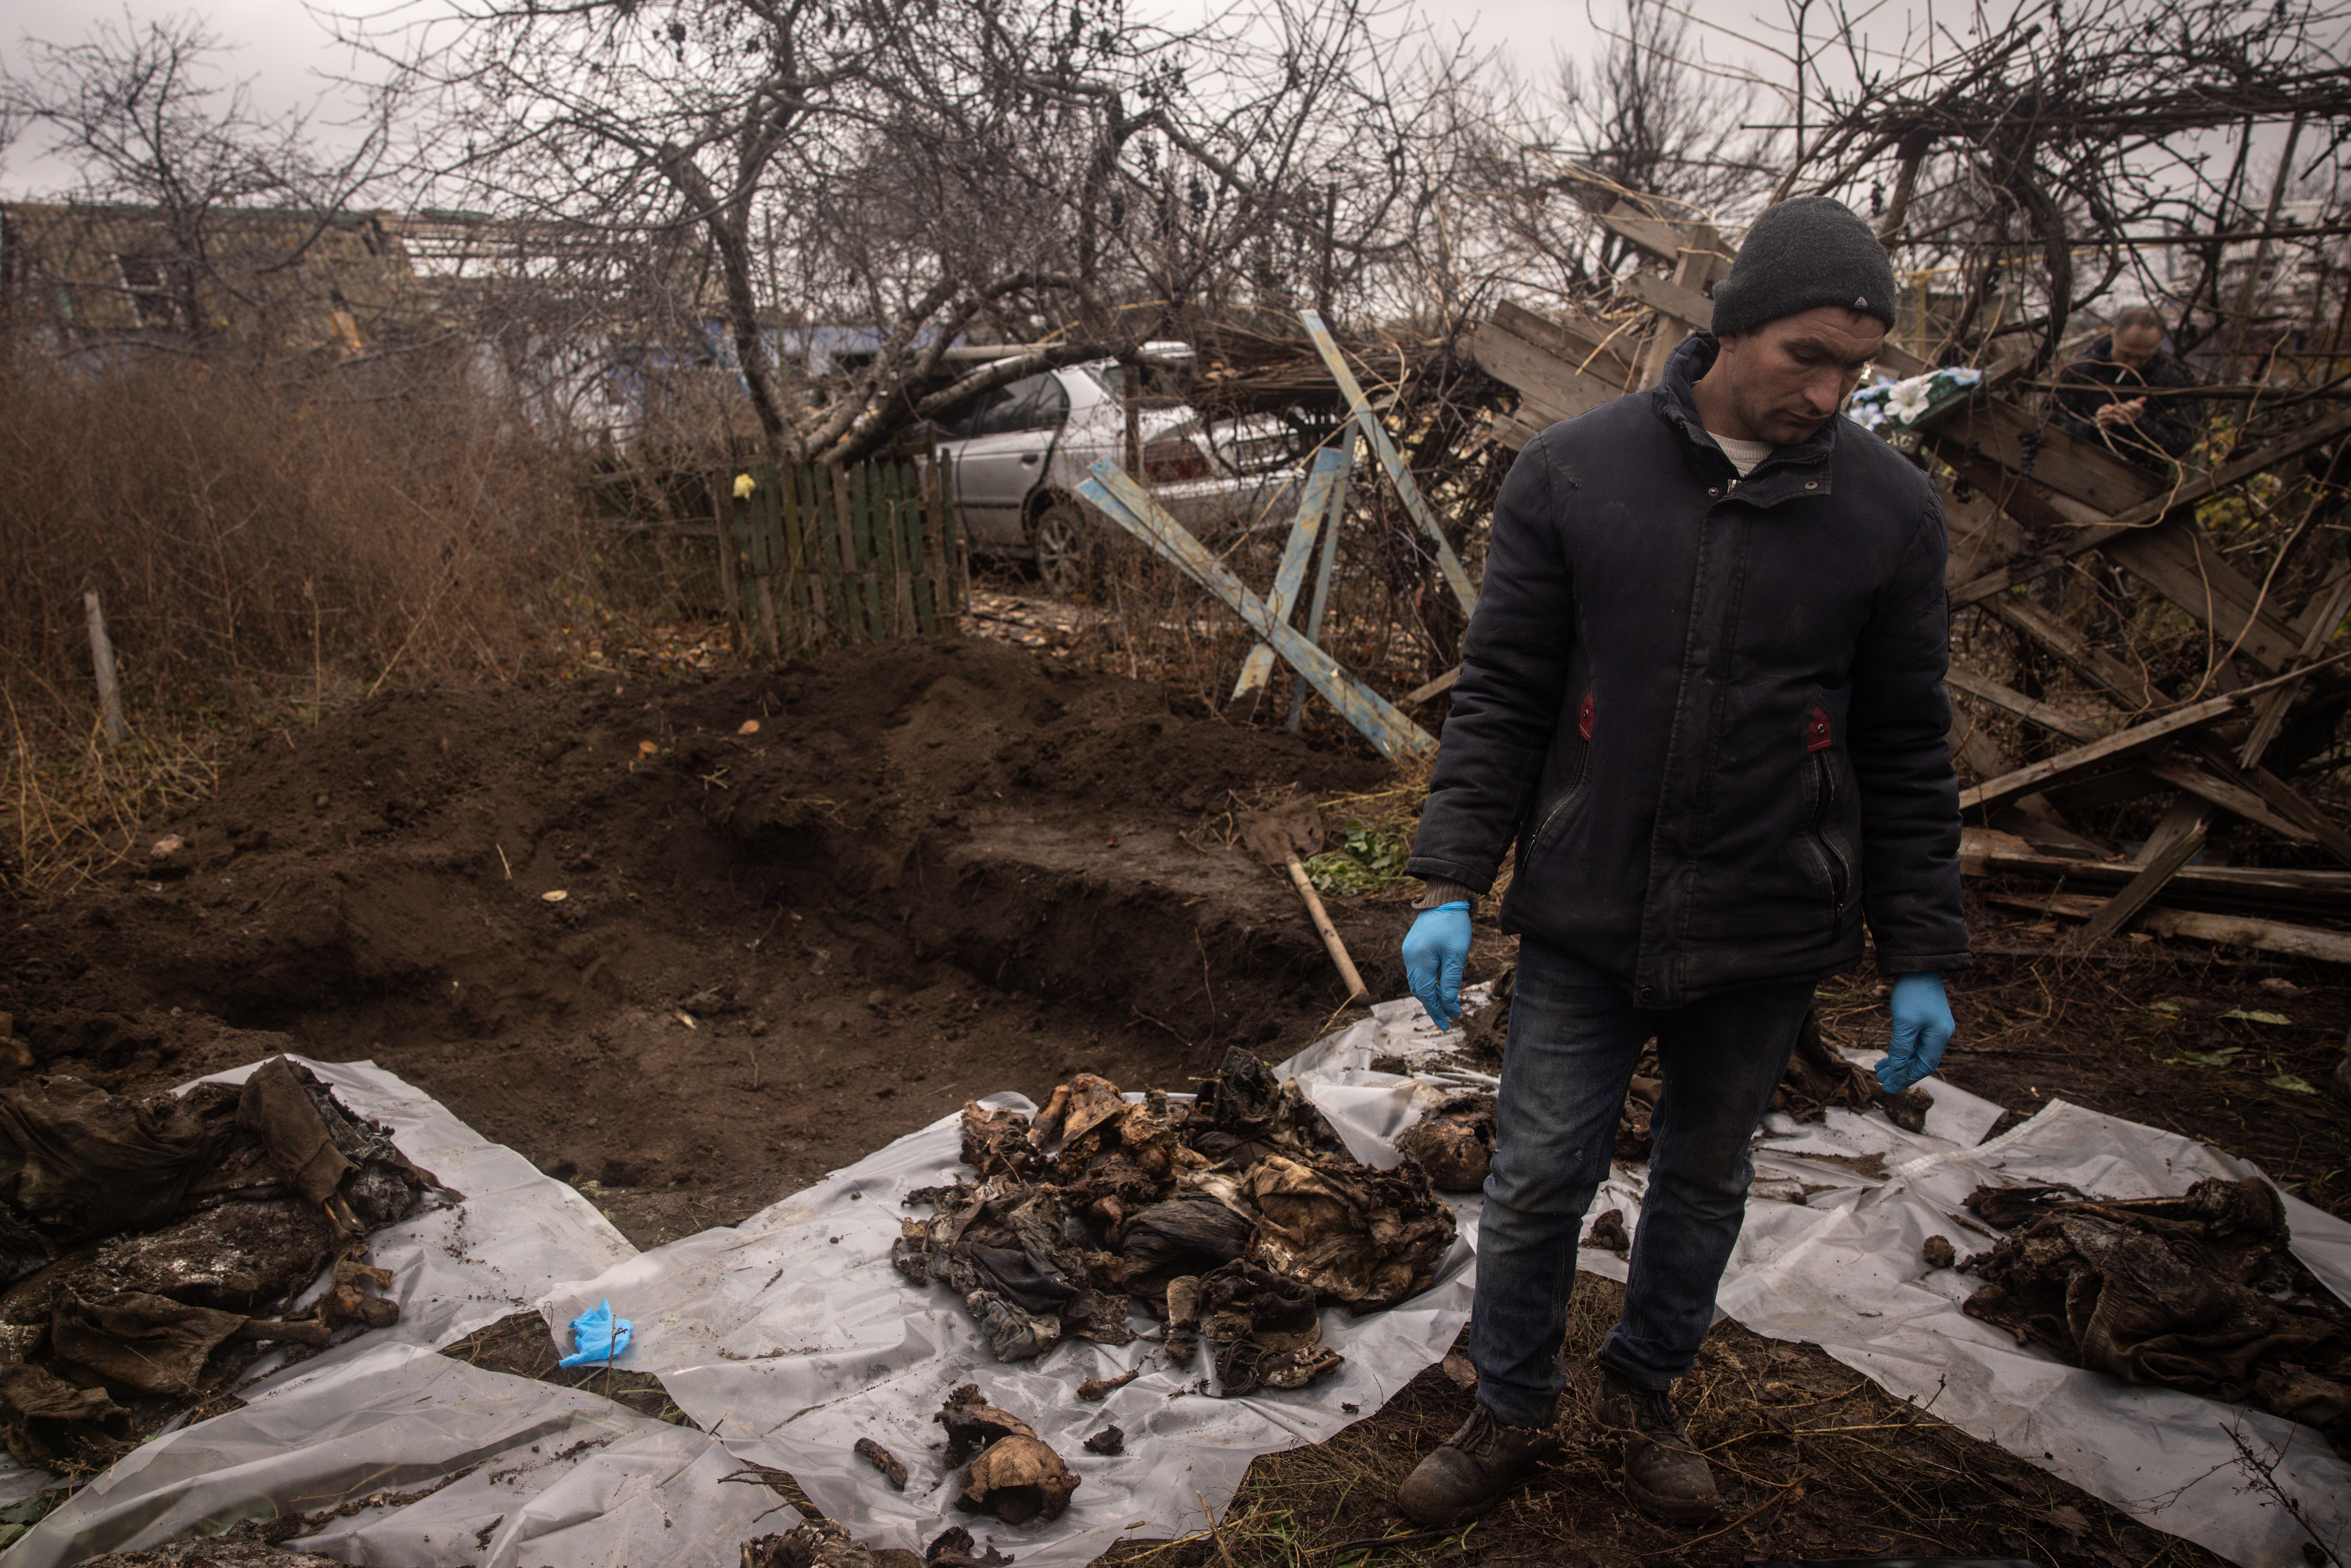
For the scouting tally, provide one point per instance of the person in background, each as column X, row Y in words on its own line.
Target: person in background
column 2126, row 395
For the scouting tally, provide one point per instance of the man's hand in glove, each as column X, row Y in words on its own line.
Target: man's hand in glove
column 1922, row 1028
column 1434, row 951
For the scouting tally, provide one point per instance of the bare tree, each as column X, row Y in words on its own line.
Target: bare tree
column 1028, row 169
column 2044, row 152
column 1647, row 123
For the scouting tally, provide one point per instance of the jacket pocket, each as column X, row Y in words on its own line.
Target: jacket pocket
column 1553, row 822
column 1822, row 837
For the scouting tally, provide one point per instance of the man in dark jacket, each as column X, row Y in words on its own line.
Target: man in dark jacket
column 1702, row 698
column 2125, row 394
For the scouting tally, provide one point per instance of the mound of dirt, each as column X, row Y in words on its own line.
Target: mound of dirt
column 695, row 941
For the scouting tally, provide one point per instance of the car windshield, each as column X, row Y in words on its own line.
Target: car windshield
column 1033, row 402
column 1162, row 384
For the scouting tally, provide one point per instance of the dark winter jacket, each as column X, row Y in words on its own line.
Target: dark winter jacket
column 1708, row 710
column 2165, row 430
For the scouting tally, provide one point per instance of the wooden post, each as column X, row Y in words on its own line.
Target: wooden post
column 102, row 661
column 809, row 552
column 1385, row 450
column 848, row 615
column 1322, row 599
column 1329, row 469
column 906, row 543
column 723, row 509
column 1130, row 397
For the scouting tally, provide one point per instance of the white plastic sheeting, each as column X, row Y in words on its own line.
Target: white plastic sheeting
column 793, row 1337
column 1833, row 1256
column 455, row 1269
column 512, row 1473
column 789, row 1336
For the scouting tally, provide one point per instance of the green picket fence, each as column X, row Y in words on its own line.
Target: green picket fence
column 822, row 556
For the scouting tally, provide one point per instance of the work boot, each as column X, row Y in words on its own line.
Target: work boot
column 1477, row 1468
column 1666, row 1476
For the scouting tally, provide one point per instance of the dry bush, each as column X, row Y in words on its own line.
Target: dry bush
column 239, row 524
column 264, row 540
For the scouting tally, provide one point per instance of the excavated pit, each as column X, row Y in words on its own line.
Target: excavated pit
column 801, row 913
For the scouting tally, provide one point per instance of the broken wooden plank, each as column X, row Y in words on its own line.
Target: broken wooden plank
column 1685, row 305
column 2122, row 745
column 2138, row 893
column 2128, row 687
column 2175, row 558
column 2227, row 794
column 1390, row 459
column 2006, row 486
column 2197, row 781
column 1996, row 431
column 1127, row 504
column 1591, row 347
column 1436, row 688
column 2275, row 803
column 2328, row 607
column 1328, row 468
column 2291, row 804
column 2018, row 705
column 1550, row 388
column 1659, row 238
column 2201, row 925
column 1322, row 599
column 1986, row 852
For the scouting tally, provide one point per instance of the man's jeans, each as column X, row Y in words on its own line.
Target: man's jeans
column 1574, row 1037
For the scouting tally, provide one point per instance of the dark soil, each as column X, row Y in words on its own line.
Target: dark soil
column 936, row 869
column 520, row 1346
column 803, row 913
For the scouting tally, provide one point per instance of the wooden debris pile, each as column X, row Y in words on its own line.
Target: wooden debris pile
column 2122, row 677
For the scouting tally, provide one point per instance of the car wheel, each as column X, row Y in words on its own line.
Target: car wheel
column 1068, row 552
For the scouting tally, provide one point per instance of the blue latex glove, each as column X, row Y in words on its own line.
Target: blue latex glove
column 600, row 1335
column 1922, row 1026
column 1434, row 951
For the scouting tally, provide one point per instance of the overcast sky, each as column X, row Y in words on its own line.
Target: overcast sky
column 285, row 52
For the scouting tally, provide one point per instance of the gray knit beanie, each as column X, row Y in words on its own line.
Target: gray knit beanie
column 1812, row 251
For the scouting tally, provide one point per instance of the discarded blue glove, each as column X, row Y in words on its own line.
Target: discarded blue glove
column 600, row 1335
column 1434, row 951
column 1922, row 1028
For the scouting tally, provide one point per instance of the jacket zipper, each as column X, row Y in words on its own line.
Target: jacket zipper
column 1824, row 812
column 1552, row 818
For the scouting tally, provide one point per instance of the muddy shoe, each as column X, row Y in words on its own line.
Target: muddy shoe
column 1665, row 1475
column 1478, row 1466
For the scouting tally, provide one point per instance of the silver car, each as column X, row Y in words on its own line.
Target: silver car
column 1017, row 456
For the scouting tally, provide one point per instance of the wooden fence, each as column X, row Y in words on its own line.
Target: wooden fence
column 818, row 557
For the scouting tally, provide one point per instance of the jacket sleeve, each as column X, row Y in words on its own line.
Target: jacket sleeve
column 1506, row 703
column 1900, row 745
column 2173, row 423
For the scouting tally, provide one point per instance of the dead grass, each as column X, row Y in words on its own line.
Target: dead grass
column 245, row 522
column 268, row 540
